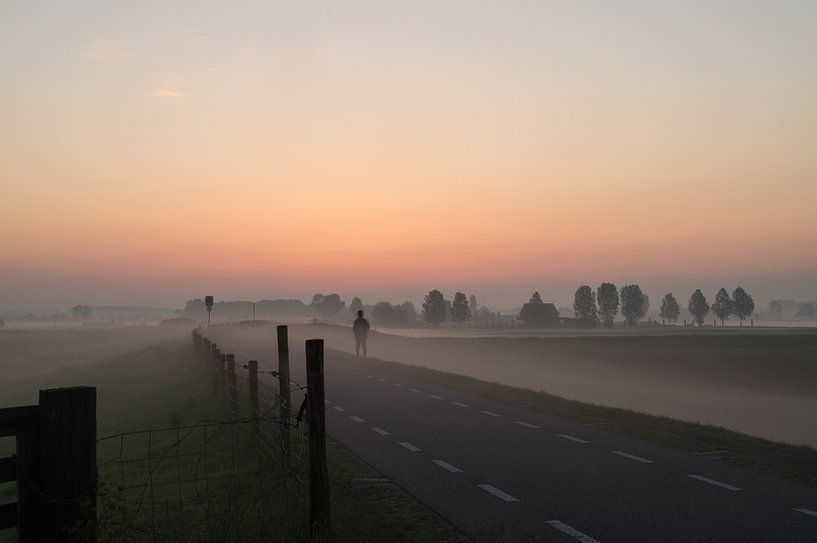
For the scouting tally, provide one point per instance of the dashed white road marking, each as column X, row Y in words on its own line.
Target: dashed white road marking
column 356, row 418
column 409, row 446
column 370, row 377
column 714, row 482
column 525, row 424
column 490, row 413
column 381, row 431
column 398, row 385
column 445, row 465
column 382, row 380
column 435, row 396
column 339, row 408
column 633, row 457
column 498, row 493
column 805, row 511
column 572, row 532
column 460, row 404
column 415, row 390
column 572, row 438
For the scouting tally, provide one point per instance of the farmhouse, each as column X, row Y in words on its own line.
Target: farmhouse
column 540, row 315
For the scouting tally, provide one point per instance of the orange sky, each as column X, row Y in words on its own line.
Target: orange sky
column 148, row 154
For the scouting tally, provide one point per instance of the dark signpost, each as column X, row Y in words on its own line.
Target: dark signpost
column 208, row 301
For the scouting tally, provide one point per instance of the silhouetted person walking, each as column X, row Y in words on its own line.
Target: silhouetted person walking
column 361, row 329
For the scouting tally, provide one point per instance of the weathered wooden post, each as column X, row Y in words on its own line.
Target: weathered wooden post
column 232, row 385
column 316, row 421
column 284, row 393
column 68, row 464
column 23, row 422
column 255, row 410
column 222, row 373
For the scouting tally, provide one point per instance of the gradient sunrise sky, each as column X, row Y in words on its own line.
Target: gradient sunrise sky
column 151, row 152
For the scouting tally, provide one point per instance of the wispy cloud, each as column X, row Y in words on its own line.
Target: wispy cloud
column 167, row 92
column 103, row 50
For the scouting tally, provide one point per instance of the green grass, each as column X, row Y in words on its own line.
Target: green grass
column 167, row 386
column 798, row 463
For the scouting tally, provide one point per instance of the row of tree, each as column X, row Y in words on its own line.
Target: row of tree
column 602, row 306
column 740, row 304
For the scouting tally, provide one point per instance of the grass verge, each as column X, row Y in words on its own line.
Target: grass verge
column 167, row 385
column 793, row 462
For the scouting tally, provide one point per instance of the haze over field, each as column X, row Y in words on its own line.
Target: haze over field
column 154, row 152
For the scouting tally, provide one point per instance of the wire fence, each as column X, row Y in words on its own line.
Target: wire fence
column 241, row 479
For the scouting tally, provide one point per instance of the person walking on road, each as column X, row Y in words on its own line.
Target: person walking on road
column 361, row 329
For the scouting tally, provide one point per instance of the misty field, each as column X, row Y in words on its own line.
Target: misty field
column 761, row 382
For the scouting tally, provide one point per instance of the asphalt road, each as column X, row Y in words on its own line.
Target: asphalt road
column 502, row 473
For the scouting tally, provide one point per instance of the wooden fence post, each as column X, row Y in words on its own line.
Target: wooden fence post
column 255, row 410
column 232, row 385
column 68, row 464
column 222, row 374
column 316, row 420
column 284, row 393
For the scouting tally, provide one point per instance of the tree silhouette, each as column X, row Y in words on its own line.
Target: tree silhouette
column 607, row 297
column 584, row 306
column 776, row 309
column 535, row 298
column 743, row 304
column 434, row 308
column 633, row 304
column 460, row 312
column 670, row 310
column 409, row 311
column 327, row 306
column 698, row 306
column 356, row 305
column 81, row 311
column 723, row 305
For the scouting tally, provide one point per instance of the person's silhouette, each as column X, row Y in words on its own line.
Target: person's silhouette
column 361, row 329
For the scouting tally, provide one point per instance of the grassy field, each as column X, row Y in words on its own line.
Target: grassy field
column 779, row 459
column 166, row 385
column 759, row 382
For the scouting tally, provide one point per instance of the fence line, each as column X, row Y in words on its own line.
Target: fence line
column 247, row 477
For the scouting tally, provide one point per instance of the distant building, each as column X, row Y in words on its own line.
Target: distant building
column 540, row 315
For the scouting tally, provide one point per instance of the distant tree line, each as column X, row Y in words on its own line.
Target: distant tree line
column 591, row 307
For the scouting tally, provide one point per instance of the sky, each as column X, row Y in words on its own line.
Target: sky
column 152, row 152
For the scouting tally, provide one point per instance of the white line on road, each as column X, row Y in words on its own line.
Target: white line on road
column 415, row 390
column 805, row 511
column 633, row 457
column 460, row 404
column 409, row 446
column 572, row 532
column 572, row 438
column 356, row 418
column 370, row 377
column 490, row 413
column 525, row 424
column 339, row 408
column 714, row 482
column 382, row 380
column 381, row 431
column 445, row 465
column 498, row 493
column 435, row 396
column 397, row 385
